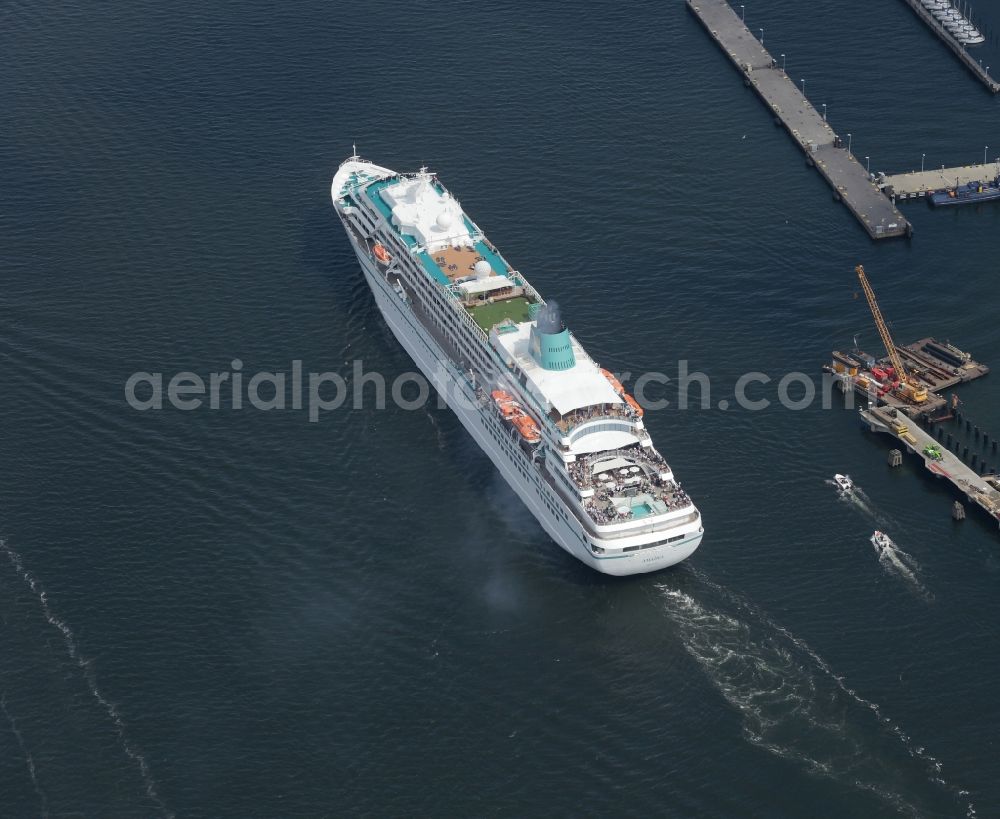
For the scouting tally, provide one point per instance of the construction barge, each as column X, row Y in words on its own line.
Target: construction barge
column 935, row 365
column 904, row 390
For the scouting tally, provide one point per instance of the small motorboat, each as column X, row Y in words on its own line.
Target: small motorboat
column 881, row 541
column 844, row 482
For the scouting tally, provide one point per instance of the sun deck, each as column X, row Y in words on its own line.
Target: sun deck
column 627, row 484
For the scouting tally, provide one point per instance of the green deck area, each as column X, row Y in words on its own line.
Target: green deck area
column 486, row 315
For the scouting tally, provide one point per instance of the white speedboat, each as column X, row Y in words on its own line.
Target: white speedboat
column 844, row 482
column 881, row 541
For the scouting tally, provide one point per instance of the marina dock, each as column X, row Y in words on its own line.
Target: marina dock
column 823, row 148
column 918, row 184
column 970, row 62
column 980, row 490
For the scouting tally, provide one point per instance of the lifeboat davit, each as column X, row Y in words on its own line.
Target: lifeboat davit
column 381, row 253
column 615, row 383
column 634, row 404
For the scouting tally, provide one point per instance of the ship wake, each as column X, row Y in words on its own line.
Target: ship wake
column 90, row 677
column 793, row 705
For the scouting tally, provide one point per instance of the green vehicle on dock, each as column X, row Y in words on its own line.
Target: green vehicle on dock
column 933, row 452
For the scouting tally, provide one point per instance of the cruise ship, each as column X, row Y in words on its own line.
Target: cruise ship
column 562, row 431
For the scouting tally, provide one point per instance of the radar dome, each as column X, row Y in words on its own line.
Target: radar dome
column 482, row 269
column 444, row 220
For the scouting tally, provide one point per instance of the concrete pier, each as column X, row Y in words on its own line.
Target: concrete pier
column 979, row 490
column 823, row 149
column 970, row 62
column 917, row 184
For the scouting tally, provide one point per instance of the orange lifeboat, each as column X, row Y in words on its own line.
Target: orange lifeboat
column 616, row 385
column 528, row 428
column 505, row 403
column 634, row 404
column 511, row 410
column 381, row 253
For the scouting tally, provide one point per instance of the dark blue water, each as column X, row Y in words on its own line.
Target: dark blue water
column 239, row 613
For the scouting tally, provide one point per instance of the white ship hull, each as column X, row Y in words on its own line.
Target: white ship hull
column 536, row 494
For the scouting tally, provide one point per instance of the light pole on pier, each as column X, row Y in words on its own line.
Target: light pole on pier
column 922, row 158
column 782, row 63
column 824, row 112
column 848, row 143
column 985, row 149
column 743, row 13
column 803, row 87
column 762, row 37
column 868, row 165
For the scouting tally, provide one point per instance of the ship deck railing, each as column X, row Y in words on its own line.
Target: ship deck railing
column 585, row 415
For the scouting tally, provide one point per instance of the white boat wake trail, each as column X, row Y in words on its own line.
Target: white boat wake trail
column 903, row 565
column 89, row 676
column 893, row 559
column 793, row 705
column 29, row 760
column 862, row 503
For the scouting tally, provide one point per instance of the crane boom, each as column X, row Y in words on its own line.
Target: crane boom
column 883, row 330
column 907, row 387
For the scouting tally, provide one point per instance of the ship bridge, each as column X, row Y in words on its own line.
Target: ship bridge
column 425, row 211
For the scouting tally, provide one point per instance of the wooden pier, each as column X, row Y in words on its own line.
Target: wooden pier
column 823, row 148
column 970, row 62
column 918, row 184
column 984, row 491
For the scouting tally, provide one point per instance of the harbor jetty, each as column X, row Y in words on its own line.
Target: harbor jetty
column 970, row 62
column 918, row 184
column 982, row 490
column 823, row 148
